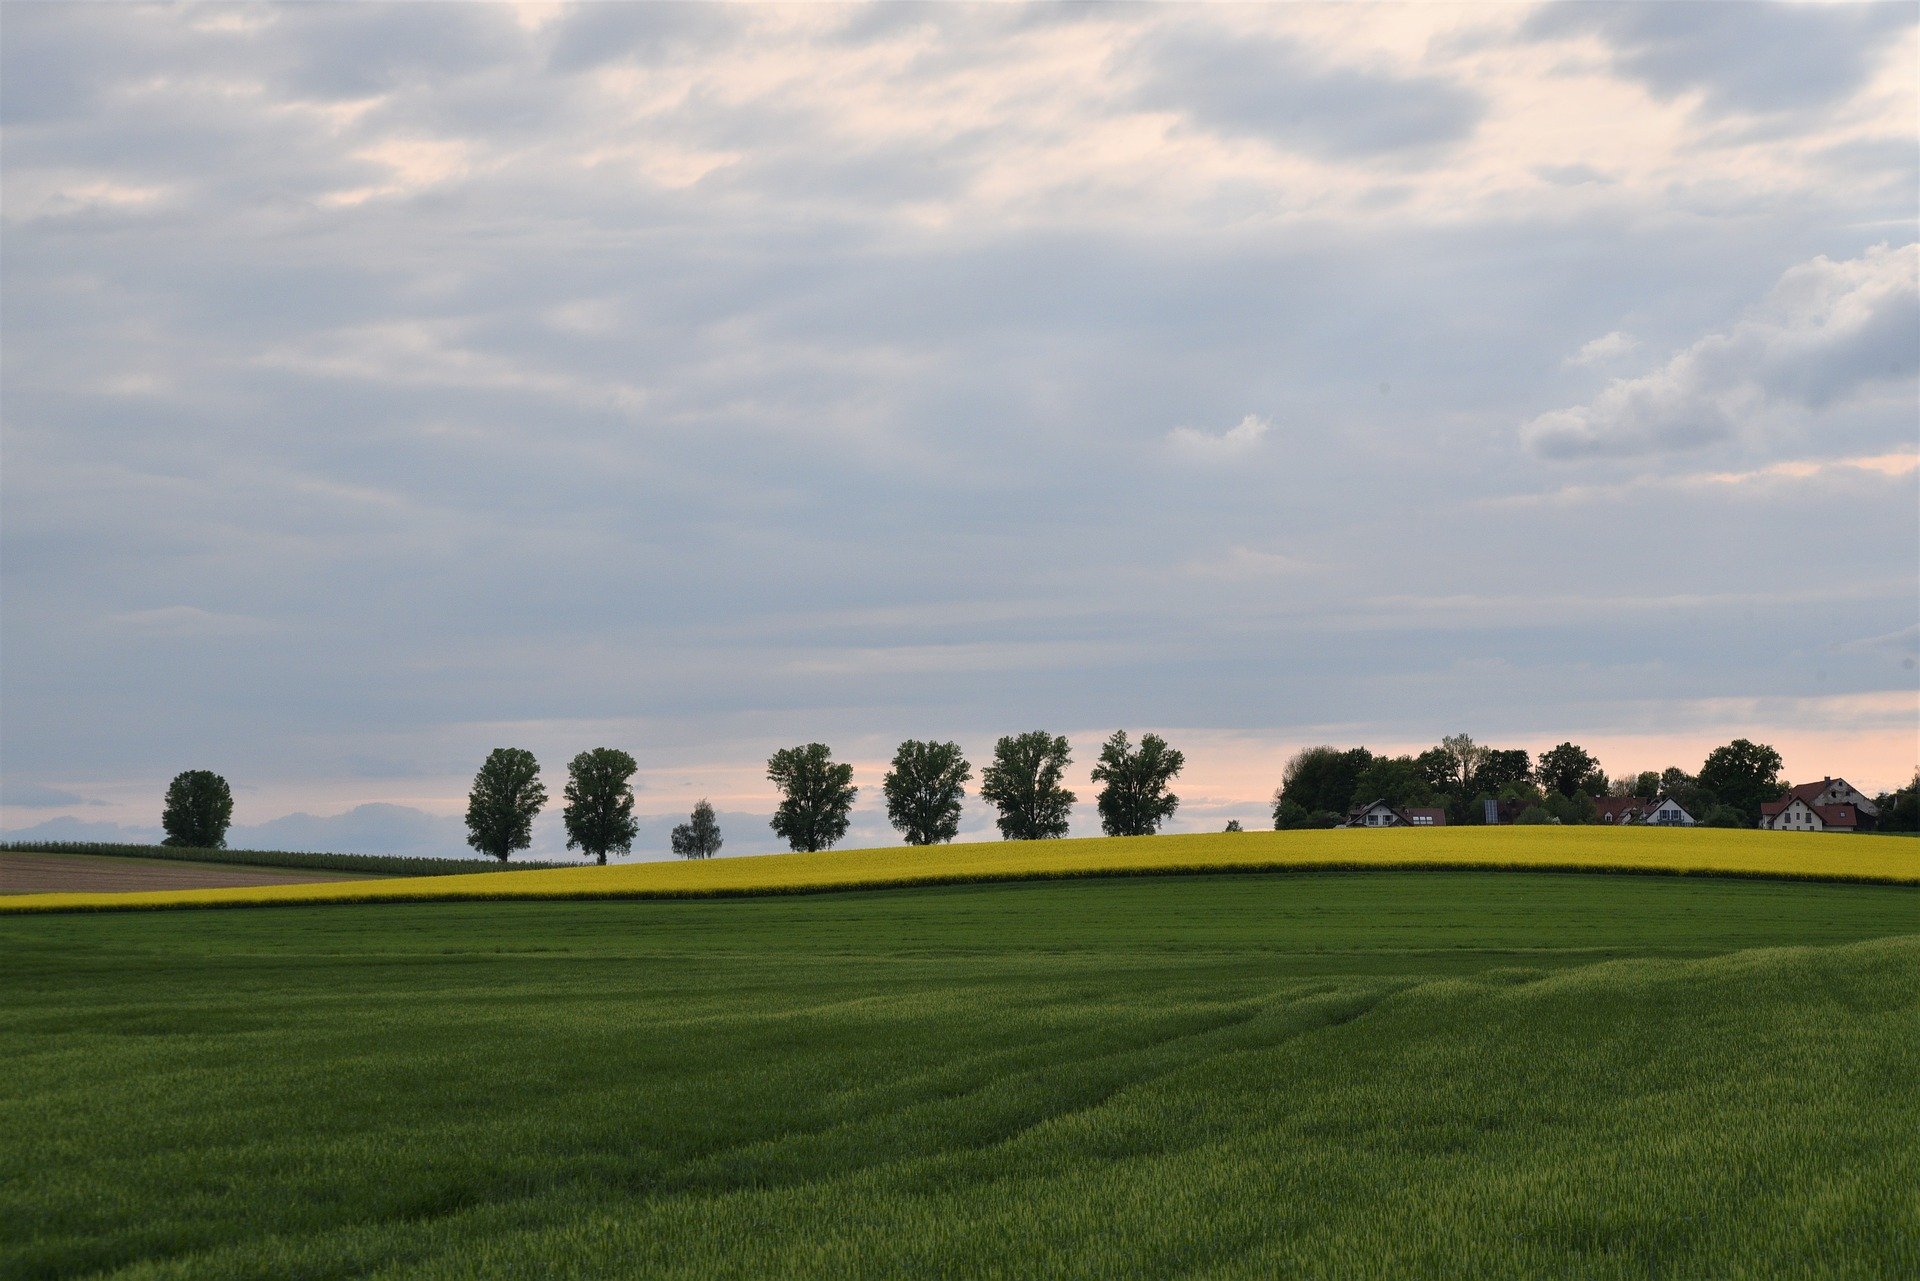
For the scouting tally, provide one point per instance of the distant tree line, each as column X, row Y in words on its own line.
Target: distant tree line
column 1321, row 785
column 925, row 790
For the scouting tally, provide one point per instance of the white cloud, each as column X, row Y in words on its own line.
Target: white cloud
column 1827, row 332
column 1239, row 439
column 1604, row 348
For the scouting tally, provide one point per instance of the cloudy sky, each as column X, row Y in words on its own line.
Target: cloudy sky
column 384, row 384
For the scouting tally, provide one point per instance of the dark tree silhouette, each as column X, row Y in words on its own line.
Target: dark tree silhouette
column 599, row 796
column 1135, row 800
column 924, row 790
column 198, row 810
column 1024, row 784
column 818, row 796
column 506, row 794
column 699, row 836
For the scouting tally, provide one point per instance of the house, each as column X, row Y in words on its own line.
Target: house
column 1664, row 812
column 1667, row 812
column 1834, row 791
column 1619, row 809
column 1795, row 814
column 1381, row 814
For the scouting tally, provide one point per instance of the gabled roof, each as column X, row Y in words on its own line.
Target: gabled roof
column 1840, row 815
column 1618, row 807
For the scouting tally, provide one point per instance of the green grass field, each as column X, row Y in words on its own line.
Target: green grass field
column 1371, row 1074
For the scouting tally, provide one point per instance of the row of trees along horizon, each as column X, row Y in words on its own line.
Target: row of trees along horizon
column 925, row 789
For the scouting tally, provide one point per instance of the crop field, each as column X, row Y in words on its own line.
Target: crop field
column 1635, row 849
column 24, row 872
column 1384, row 1073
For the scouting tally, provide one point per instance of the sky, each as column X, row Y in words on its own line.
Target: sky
column 380, row 385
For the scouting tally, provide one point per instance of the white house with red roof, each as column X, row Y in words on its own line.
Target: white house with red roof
column 1831, row 805
column 1381, row 814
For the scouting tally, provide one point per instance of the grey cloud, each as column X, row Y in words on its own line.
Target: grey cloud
column 1270, row 88
column 591, row 35
column 323, row 491
column 1742, row 56
column 1827, row 332
column 30, row 795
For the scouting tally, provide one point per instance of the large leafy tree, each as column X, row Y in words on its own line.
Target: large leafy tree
column 1397, row 780
column 1023, row 783
column 198, row 810
column 1135, row 800
column 599, row 796
column 1743, row 774
column 1501, row 769
column 1465, row 759
column 924, row 790
column 699, row 836
column 1322, row 779
column 817, row 796
column 1567, row 769
column 506, row 795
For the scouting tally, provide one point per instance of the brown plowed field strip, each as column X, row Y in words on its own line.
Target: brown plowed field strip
column 59, row 873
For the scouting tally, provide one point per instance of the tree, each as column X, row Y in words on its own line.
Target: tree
column 1397, row 780
column 1024, row 784
column 1643, row 786
column 1323, row 778
column 506, row 794
column 1466, row 759
column 818, row 796
column 1233, row 825
column 1501, row 769
column 1743, row 774
column 1135, row 800
column 924, row 790
column 1685, row 790
column 1568, row 769
column 198, row 810
column 1436, row 768
column 1724, row 816
column 699, row 836
column 1578, row 808
column 1900, row 810
column 1533, row 816
column 599, row 796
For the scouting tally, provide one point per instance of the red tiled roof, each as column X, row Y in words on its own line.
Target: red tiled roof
column 1841, row 815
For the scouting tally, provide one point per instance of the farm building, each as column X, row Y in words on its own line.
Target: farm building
column 1664, row 812
column 1381, row 814
column 1834, row 791
column 1793, row 814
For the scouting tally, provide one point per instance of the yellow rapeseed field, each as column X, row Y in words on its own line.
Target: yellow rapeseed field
column 1697, row 852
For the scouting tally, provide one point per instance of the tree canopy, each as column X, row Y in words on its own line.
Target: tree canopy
column 817, row 793
column 1397, row 780
column 599, row 795
column 1323, row 778
column 506, row 795
column 1135, row 800
column 1568, row 769
column 197, row 811
column 699, row 836
column 1023, row 783
column 924, row 790
column 1742, row 775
